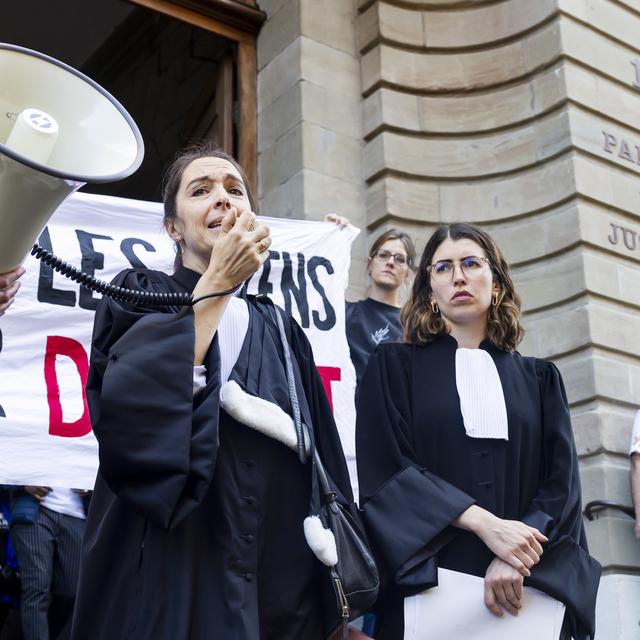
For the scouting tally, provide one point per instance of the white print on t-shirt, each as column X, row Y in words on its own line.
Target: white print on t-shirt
column 380, row 335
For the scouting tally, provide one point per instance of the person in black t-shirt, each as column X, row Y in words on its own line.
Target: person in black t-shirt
column 376, row 319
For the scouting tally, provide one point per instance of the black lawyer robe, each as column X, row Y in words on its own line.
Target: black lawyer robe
column 418, row 470
column 196, row 526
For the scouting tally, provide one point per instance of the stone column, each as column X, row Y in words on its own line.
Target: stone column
column 309, row 115
column 523, row 116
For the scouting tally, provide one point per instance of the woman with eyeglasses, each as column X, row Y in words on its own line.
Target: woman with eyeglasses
column 376, row 319
column 466, row 461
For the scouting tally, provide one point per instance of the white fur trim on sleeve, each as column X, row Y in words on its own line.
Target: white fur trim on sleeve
column 321, row 541
column 260, row 414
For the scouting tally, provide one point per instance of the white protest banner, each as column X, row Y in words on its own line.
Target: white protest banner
column 45, row 337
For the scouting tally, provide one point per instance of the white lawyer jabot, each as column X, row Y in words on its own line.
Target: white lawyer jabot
column 481, row 396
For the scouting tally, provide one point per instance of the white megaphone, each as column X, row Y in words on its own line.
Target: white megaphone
column 58, row 131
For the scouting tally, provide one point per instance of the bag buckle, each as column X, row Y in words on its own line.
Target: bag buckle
column 329, row 496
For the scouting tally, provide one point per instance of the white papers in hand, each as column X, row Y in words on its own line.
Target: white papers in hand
column 455, row 610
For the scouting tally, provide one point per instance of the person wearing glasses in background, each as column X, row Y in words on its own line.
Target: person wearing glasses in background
column 467, row 466
column 376, row 319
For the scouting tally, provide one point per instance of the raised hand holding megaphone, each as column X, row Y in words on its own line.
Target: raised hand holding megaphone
column 58, row 131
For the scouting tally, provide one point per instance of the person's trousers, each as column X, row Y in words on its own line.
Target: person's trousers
column 48, row 552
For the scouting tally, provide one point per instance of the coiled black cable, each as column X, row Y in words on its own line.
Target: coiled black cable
column 130, row 296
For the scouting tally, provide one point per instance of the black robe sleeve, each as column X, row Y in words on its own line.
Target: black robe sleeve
column 157, row 443
column 407, row 510
column 566, row 571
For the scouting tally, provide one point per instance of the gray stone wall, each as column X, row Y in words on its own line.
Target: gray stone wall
column 309, row 115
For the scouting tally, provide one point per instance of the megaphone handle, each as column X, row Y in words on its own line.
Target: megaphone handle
column 131, row 296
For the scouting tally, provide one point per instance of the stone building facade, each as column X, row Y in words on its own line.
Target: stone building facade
column 522, row 116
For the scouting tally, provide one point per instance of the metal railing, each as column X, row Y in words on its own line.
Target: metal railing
column 592, row 508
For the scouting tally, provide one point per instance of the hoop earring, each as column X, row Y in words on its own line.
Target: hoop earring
column 495, row 299
column 434, row 307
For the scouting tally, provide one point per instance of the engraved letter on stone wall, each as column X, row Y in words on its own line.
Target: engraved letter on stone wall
column 610, row 142
column 626, row 234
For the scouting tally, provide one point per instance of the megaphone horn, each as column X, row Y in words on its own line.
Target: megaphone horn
column 58, row 130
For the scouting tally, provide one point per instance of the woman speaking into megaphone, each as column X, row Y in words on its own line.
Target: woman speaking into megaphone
column 9, row 286
column 196, row 525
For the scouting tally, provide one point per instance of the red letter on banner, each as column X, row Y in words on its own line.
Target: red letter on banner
column 328, row 375
column 58, row 345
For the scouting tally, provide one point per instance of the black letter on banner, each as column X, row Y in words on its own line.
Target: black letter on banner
column 91, row 260
column 330, row 321
column 126, row 246
column 2, row 413
column 46, row 292
column 264, row 286
column 299, row 292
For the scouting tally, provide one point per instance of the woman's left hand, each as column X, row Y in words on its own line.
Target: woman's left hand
column 515, row 542
column 502, row 588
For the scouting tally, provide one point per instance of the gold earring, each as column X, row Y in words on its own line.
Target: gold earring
column 495, row 301
column 434, row 307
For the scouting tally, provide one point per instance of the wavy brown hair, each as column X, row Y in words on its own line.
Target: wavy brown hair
column 421, row 324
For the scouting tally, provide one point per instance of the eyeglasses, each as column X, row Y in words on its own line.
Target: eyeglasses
column 383, row 256
column 471, row 267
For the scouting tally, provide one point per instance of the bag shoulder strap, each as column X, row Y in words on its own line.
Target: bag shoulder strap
column 275, row 314
column 293, row 394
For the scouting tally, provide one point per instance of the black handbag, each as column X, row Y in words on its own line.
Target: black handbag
column 354, row 579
